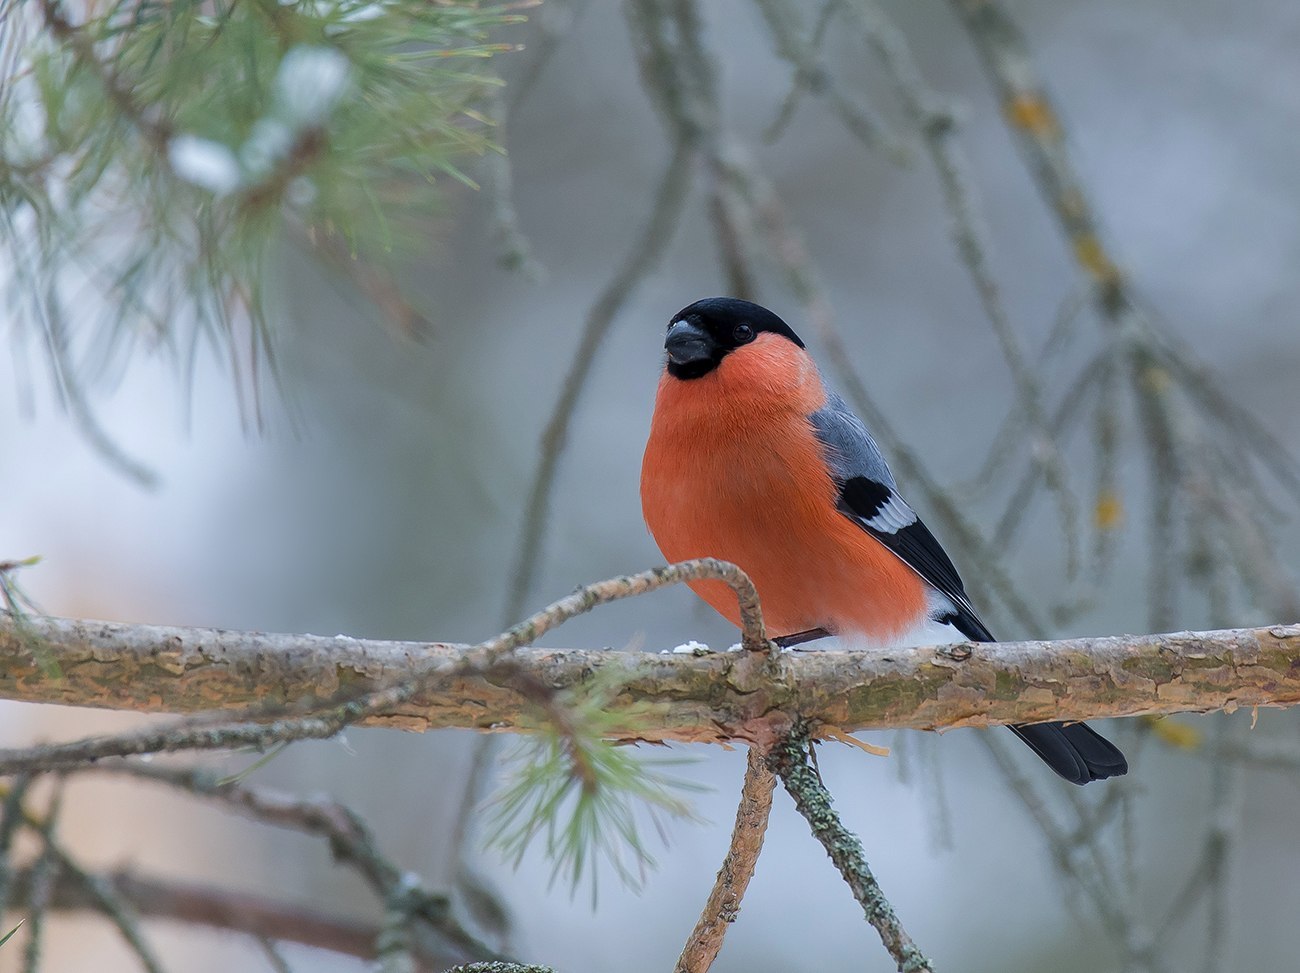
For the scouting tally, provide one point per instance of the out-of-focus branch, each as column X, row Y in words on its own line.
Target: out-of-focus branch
column 430, row 937
column 711, row 698
column 375, row 282
column 800, row 48
column 1034, row 120
column 791, row 761
column 99, row 894
column 1071, row 853
column 665, row 209
column 737, row 867
column 937, row 128
column 243, row 912
column 1203, row 450
column 351, row 843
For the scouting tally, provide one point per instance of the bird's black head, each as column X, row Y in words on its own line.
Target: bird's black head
column 701, row 335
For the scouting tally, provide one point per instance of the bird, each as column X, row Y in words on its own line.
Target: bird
column 753, row 459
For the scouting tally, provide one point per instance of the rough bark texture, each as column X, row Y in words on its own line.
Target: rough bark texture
column 707, row 698
column 793, row 763
column 723, row 905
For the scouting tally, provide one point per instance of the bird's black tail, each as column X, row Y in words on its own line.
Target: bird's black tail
column 1074, row 750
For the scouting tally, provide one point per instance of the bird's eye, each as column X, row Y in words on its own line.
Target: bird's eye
column 743, row 334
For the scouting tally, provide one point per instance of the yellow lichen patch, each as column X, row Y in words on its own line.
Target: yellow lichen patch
column 1033, row 115
column 1174, row 733
column 1155, row 378
column 1092, row 257
column 1108, row 511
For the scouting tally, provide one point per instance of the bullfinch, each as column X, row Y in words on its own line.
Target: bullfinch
column 752, row 459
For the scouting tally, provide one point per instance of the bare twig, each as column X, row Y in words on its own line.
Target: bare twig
column 100, row 895
column 790, row 760
column 40, row 889
column 274, row 958
column 11, row 818
column 938, row 130
column 244, row 912
column 737, row 869
column 800, row 49
column 1226, row 803
column 666, row 207
column 351, row 841
column 555, row 22
column 1067, row 848
column 429, row 935
column 1035, row 123
column 375, row 282
column 514, row 252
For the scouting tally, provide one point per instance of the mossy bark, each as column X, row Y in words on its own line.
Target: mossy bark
column 707, row 698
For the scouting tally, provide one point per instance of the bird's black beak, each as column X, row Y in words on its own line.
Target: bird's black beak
column 687, row 344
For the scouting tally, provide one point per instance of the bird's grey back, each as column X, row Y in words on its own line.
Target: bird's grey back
column 850, row 449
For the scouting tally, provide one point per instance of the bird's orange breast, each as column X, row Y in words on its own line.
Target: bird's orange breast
column 734, row 470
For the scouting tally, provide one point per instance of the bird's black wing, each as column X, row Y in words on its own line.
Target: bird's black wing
column 869, row 497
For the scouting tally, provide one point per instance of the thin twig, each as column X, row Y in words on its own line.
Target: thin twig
column 274, row 958
column 375, row 282
column 514, row 252
column 666, row 208
column 238, row 911
column 44, row 873
column 474, row 891
column 1226, row 804
column 937, row 128
column 1035, row 123
column 351, row 842
column 790, row 761
column 11, row 818
column 101, row 895
column 723, row 904
column 800, row 49
column 1075, row 856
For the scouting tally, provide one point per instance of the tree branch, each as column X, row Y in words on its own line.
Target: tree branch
column 737, row 867
column 243, row 912
column 791, row 760
column 714, row 697
column 351, row 843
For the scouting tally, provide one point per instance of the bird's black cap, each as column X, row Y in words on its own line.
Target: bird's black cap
column 700, row 335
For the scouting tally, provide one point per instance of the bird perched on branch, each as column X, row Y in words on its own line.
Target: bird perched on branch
column 752, row 459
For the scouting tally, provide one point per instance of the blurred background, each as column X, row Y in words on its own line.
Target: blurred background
column 382, row 488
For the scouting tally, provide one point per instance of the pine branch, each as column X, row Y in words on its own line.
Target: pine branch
column 715, row 697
